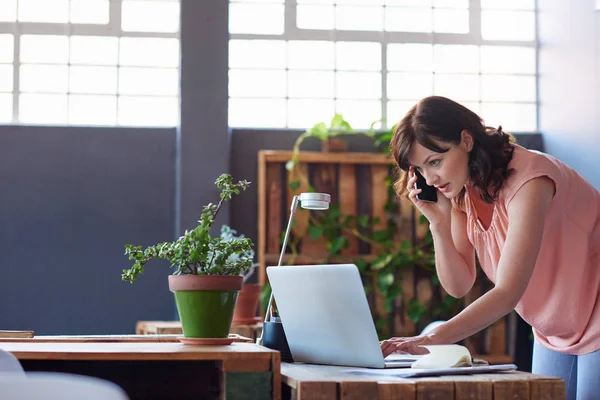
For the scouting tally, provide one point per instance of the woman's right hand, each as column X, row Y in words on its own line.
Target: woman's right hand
column 436, row 213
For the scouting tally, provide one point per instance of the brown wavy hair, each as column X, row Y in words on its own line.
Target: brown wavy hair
column 436, row 120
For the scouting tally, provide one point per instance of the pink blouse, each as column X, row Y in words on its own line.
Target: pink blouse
column 562, row 301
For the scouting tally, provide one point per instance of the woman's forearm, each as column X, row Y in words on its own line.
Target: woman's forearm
column 454, row 273
column 477, row 316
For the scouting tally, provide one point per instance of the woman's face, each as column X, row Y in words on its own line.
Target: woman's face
column 448, row 172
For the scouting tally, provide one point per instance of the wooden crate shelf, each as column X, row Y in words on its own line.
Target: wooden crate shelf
column 357, row 183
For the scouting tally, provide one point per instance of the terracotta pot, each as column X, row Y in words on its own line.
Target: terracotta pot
column 247, row 303
column 205, row 303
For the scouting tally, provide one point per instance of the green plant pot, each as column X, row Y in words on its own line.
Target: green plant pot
column 205, row 303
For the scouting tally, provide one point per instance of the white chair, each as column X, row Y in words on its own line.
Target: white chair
column 9, row 363
column 55, row 385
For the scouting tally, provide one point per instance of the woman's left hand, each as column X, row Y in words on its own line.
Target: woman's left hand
column 409, row 345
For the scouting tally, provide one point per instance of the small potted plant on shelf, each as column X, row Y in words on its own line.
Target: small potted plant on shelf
column 208, row 271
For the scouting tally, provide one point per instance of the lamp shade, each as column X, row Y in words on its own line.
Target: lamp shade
column 315, row 201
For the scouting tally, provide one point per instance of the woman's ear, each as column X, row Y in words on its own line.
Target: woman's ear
column 466, row 140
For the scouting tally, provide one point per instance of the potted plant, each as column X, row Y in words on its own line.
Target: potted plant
column 208, row 271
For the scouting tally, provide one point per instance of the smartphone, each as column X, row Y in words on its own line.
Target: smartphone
column 428, row 193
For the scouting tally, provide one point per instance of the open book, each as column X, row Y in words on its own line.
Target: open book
column 440, row 356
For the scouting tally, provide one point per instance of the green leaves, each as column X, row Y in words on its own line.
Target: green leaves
column 196, row 252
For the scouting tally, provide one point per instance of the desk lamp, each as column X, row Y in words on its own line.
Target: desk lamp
column 275, row 336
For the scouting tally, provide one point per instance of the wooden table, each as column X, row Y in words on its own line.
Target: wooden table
column 163, row 369
column 174, row 327
column 304, row 381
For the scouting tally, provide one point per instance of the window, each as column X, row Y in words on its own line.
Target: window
column 89, row 62
column 296, row 62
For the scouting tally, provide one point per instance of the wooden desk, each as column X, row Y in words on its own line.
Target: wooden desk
column 160, row 370
column 303, row 381
column 174, row 327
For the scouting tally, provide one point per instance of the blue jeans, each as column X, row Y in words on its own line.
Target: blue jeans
column 580, row 373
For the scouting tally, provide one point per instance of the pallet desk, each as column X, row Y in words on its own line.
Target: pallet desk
column 159, row 369
column 304, row 381
column 174, row 327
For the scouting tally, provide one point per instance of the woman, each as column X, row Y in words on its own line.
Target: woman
column 534, row 224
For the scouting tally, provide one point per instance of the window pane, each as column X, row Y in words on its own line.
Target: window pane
column 43, row 108
column 94, row 80
column 312, row 1
column 311, row 55
column 148, row 111
column 253, row 83
column 56, row 11
column 44, row 78
column 149, row 52
column 257, row 113
column 6, row 77
column 148, row 81
column 315, row 17
column 256, row 18
column 409, row 85
column 451, row 21
column 456, row 58
column 314, row 84
column 409, row 3
column 150, row 16
column 359, row 18
column 89, row 11
column 408, row 19
column 360, row 3
column 92, row 110
column 44, row 49
column 7, row 54
column 6, row 107
column 464, row 4
column 8, row 13
column 369, row 60
column 458, row 87
column 94, row 50
column 243, row 54
column 494, row 25
column 512, row 117
column 396, row 110
column 358, row 85
column 303, row 114
column 359, row 113
column 508, row 4
column 410, row 57
column 504, row 59
column 508, row 88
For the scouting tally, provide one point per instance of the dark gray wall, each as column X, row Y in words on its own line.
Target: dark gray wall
column 71, row 198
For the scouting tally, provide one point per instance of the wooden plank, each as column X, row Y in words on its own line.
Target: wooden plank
column 379, row 196
column 333, row 158
column 404, row 325
column 262, row 217
column 431, row 389
column 495, row 338
column 547, row 389
column 319, row 390
column 348, row 202
column 472, row 388
column 358, row 390
column 276, row 369
column 246, row 365
column 301, row 217
column 274, row 207
column 323, row 179
column 134, row 351
column 396, row 391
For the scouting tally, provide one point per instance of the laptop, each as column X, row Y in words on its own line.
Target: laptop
column 326, row 317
